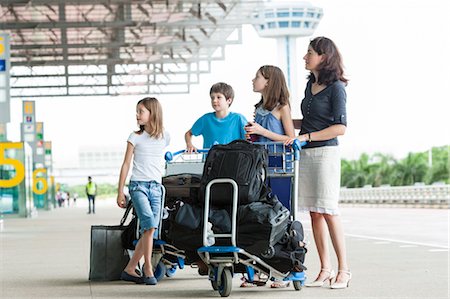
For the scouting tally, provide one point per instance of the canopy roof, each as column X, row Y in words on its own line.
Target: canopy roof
column 112, row 47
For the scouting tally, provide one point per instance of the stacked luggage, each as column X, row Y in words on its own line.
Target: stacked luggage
column 263, row 224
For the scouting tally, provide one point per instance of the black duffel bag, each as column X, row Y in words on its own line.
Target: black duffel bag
column 261, row 225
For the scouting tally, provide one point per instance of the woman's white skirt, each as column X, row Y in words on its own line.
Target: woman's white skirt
column 320, row 179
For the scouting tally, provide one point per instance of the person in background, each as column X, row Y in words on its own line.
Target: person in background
column 91, row 192
column 75, row 196
column 324, row 119
column 221, row 126
column 145, row 148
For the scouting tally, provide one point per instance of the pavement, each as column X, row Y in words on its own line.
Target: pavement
column 393, row 253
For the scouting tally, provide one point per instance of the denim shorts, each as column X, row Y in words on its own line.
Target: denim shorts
column 146, row 198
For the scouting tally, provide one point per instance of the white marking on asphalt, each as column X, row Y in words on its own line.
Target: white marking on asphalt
column 397, row 241
column 408, row 246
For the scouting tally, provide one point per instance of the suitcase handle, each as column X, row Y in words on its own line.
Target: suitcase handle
column 127, row 211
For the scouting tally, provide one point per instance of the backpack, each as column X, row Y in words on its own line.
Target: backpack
column 290, row 251
column 240, row 160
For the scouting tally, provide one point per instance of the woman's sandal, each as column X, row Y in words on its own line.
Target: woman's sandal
column 280, row 284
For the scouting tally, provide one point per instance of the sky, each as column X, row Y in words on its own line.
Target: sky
column 396, row 55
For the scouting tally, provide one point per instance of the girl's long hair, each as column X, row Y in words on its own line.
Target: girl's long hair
column 276, row 92
column 155, row 122
column 331, row 69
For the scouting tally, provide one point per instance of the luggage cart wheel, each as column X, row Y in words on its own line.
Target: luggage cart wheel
column 269, row 253
column 214, row 285
column 297, row 285
column 171, row 271
column 226, row 283
column 160, row 270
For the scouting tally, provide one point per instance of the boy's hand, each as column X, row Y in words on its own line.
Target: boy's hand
column 190, row 148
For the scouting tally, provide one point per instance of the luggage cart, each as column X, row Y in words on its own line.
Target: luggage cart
column 222, row 261
column 182, row 162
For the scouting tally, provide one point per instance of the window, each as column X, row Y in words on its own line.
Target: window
column 298, row 14
column 283, row 14
column 269, row 14
column 284, row 24
column 296, row 24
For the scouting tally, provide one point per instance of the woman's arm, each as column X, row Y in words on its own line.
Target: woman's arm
column 325, row 134
column 123, row 175
column 328, row 133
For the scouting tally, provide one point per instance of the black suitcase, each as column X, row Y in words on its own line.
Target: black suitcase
column 186, row 239
column 244, row 162
column 260, row 226
column 184, row 187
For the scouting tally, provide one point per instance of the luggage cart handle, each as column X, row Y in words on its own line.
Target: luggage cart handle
column 169, row 155
column 297, row 146
column 234, row 209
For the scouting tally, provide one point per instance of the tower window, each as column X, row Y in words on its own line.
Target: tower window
column 282, row 14
column 284, row 24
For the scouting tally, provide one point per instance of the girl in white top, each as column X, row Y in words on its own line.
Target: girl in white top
column 147, row 146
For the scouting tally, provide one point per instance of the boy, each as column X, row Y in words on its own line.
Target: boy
column 220, row 126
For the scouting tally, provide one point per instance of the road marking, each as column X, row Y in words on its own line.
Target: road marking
column 408, row 246
column 437, row 250
column 397, row 241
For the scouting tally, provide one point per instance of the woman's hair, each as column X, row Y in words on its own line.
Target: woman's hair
column 331, row 68
column 276, row 91
column 155, row 122
column 224, row 89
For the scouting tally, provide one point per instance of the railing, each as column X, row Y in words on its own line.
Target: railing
column 427, row 196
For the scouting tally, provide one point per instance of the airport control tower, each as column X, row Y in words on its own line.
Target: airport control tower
column 286, row 21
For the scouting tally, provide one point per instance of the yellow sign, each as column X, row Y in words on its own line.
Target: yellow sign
column 16, row 164
column 28, row 107
column 40, row 184
column 2, row 45
column 39, row 127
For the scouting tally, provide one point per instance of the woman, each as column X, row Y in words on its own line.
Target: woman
column 324, row 118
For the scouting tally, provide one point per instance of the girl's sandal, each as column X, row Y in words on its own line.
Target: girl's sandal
column 280, row 284
column 251, row 284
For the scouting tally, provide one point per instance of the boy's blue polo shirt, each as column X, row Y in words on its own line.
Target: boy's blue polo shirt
column 219, row 130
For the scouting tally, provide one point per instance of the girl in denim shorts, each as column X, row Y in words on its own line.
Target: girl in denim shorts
column 145, row 148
